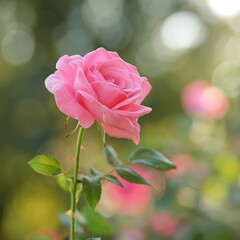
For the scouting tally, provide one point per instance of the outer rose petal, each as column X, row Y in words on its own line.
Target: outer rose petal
column 134, row 111
column 99, row 55
column 69, row 105
column 65, row 65
column 52, row 81
column 121, row 127
column 143, row 84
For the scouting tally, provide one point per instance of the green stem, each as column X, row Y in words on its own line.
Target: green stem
column 75, row 182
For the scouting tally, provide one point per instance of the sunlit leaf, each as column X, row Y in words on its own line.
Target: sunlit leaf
column 151, row 158
column 131, row 176
column 92, row 190
column 46, row 165
column 64, row 182
column 96, row 223
column 112, row 156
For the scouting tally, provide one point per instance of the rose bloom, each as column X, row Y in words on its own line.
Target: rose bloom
column 101, row 87
column 164, row 223
column 205, row 101
column 133, row 199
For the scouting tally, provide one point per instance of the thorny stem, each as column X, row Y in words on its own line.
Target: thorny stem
column 75, row 182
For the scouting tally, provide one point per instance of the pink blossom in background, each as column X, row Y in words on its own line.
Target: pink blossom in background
column 164, row 223
column 132, row 234
column 101, row 87
column 202, row 100
column 134, row 199
column 185, row 164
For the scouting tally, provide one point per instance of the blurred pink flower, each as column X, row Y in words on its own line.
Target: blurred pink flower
column 204, row 101
column 184, row 165
column 132, row 234
column 101, row 87
column 164, row 223
column 134, row 199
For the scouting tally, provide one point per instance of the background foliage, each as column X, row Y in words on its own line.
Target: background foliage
column 171, row 42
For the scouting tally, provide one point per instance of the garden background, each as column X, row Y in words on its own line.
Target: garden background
column 173, row 43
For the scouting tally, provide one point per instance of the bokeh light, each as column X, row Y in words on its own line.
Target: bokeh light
column 183, row 30
column 226, row 77
column 18, row 45
column 224, row 8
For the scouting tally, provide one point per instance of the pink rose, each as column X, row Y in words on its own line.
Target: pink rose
column 101, row 86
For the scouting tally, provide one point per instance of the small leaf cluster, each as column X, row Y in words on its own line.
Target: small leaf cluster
column 90, row 185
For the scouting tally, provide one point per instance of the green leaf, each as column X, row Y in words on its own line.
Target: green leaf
column 95, row 172
column 46, row 165
column 112, row 179
column 112, row 156
column 92, row 190
column 97, row 224
column 151, row 158
column 64, row 182
column 131, row 176
column 107, row 177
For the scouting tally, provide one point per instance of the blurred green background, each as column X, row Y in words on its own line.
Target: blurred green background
column 173, row 43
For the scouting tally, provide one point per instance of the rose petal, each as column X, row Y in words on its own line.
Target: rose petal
column 121, row 133
column 142, row 83
column 92, row 105
column 120, row 127
column 52, row 81
column 68, row 104
column 113, row 124
column 81, row 83
column 116, row 63
column 65, row 68
column 99, row 55
column 146, row 87
column 96, row 76
column 119, row 77
column 133, row 111
column 132, row 98
column 108, row 94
